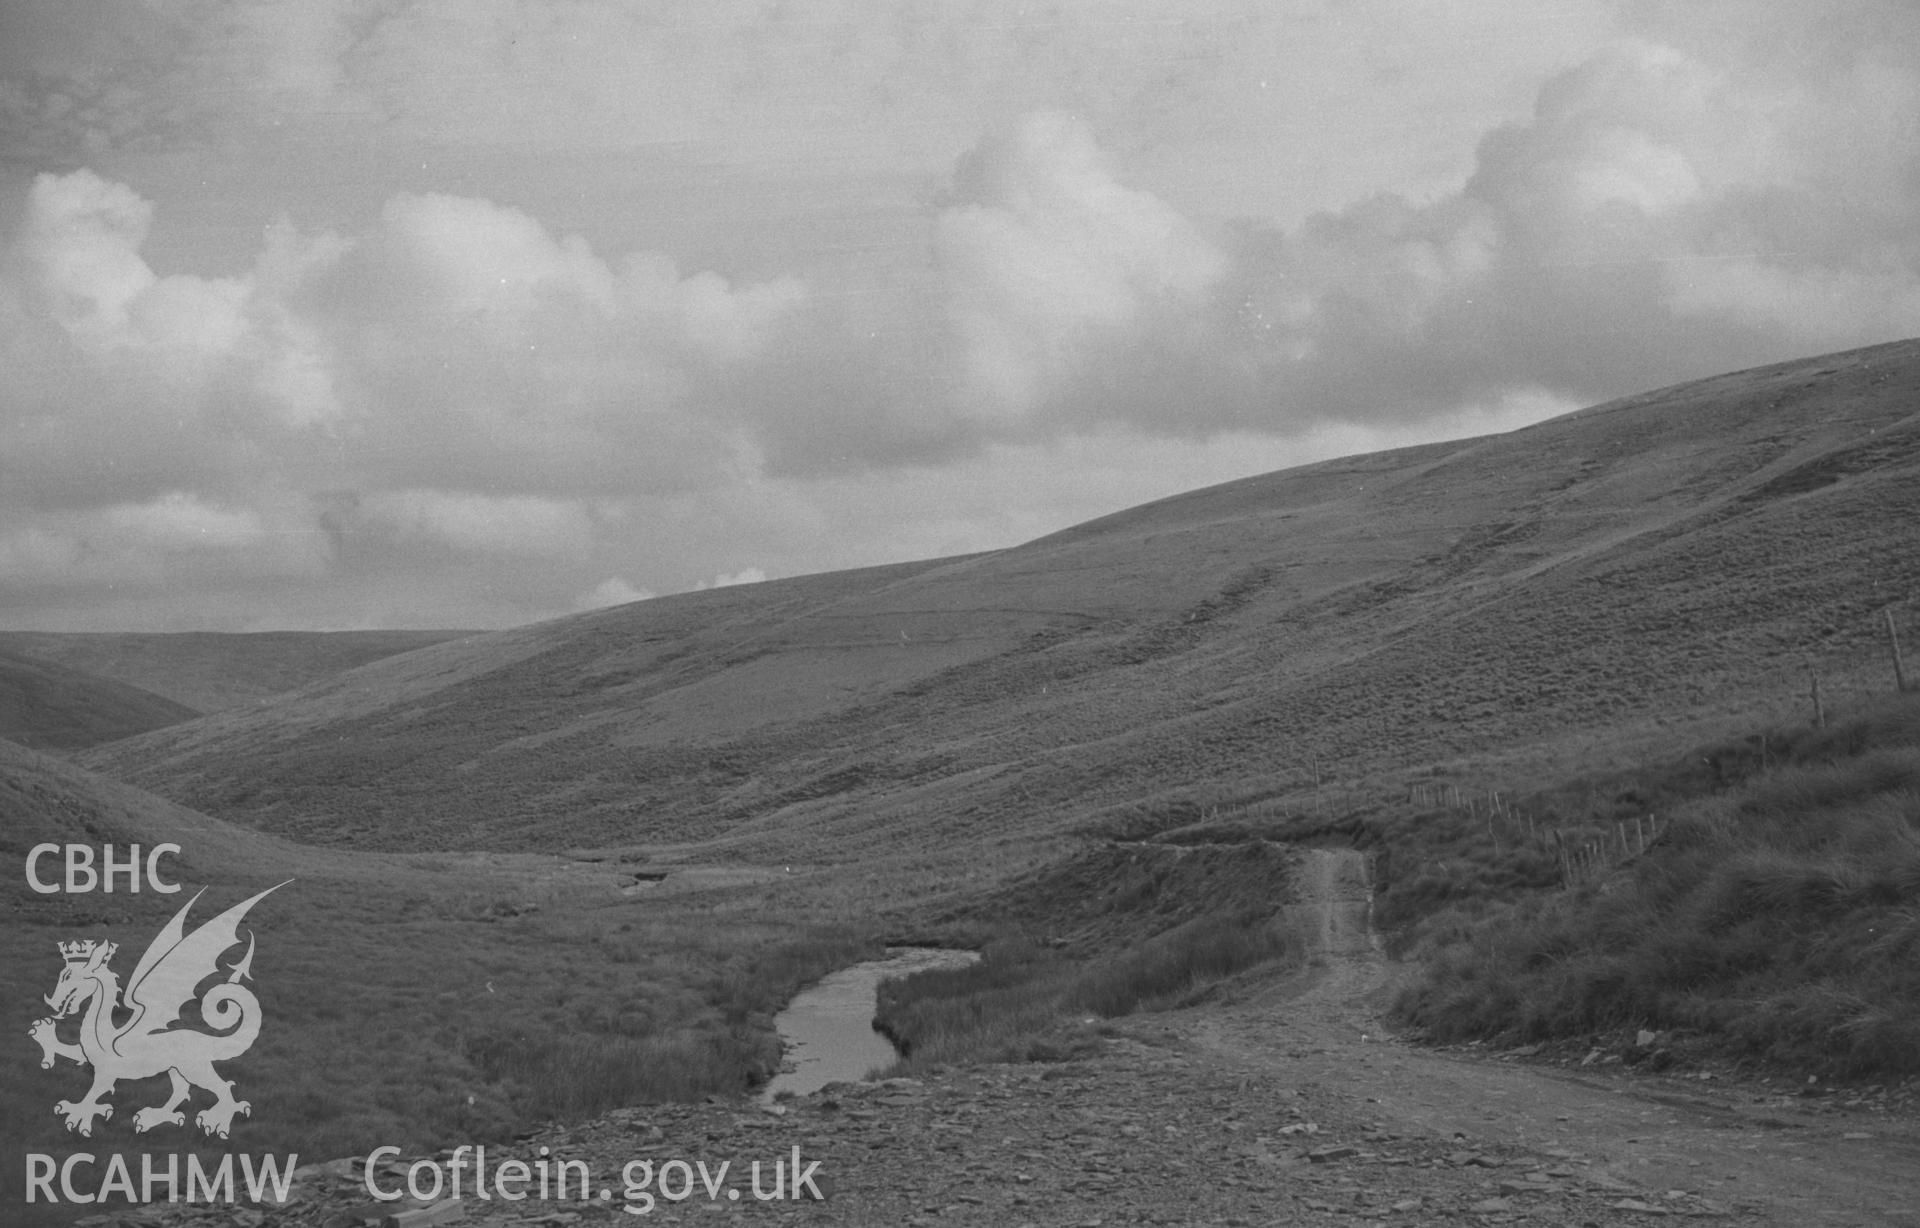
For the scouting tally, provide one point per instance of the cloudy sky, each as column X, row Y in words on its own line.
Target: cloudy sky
column 464, row 313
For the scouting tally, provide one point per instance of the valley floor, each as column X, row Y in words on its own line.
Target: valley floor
column 1286, row 1105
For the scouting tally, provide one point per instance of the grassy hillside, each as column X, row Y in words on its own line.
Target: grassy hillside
column 413, row 999
column 209, row 671
column 1776, row 915
column 52, row 707
column 1567, row 595
column 1112, row 928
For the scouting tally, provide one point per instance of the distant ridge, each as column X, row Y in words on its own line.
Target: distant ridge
column 209, row 671
column 49, row 800
column 52, row 707
column 1662, row 566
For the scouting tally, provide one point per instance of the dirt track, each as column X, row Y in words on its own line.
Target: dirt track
column 1787, row 1160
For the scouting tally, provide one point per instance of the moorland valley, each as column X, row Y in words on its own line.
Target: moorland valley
column 1470, row 804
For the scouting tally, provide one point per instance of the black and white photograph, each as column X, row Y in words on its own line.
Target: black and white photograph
column 921, row 613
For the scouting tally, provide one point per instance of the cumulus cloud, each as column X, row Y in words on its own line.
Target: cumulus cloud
column 82, row 242
column 80, row 246
column 476, row 347
column 1050, row 265
column 456, row 382
column 614, row 590
column 1656, row 217
column 483, row 525
column 178, row 538
column 498, row 272
column 181, row 521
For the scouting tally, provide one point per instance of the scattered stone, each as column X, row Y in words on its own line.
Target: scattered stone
column 1601, row 1181
column 1511, row 1186
column 448, row 1211
column 348, row 1167
column 1331, row 1153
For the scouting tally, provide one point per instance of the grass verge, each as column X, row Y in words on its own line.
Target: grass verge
column 1777, row 917
column 1025, row 1002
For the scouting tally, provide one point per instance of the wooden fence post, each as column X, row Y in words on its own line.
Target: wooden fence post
column 1893, row 642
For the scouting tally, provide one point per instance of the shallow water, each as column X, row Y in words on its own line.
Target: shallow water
column 828, row 1027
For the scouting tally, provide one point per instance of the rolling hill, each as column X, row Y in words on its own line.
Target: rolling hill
column 1654, row 569
column 208, row 671
column 53, row 707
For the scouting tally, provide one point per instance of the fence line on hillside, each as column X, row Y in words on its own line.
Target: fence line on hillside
column 1581, row 863
column 1581, row 859
column 1582, row 856
column 1893, row 644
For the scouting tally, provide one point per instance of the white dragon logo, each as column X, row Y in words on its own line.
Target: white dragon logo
column 147, row 1043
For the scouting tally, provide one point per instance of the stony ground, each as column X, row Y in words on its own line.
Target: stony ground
column 1286, row 1106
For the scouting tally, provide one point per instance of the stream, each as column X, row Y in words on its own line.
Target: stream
column 828, row 1027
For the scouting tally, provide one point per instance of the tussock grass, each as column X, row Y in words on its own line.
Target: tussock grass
column 1114, row 928
column 424, row 1010
column 430, row 1032
column 1778, row 917
column 1166, row 969
column 1112, row 896
column 1001, row 1008
column 1020, row 1001
column 617, row 1054
column 415, row 1000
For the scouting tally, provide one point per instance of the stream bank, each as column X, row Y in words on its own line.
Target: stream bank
column 828, row 1027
